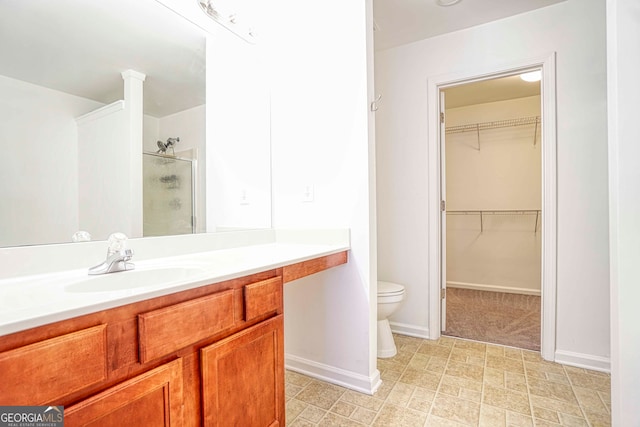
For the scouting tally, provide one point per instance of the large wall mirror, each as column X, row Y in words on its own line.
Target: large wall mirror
column 64, row 163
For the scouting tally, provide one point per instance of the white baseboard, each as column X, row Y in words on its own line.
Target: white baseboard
column 410, row 330
column 580, row 360
column 493, row 288
column 333, row 375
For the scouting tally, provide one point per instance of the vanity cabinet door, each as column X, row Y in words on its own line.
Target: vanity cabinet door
column 154, row 398
column 47, row 371
column 243, row 377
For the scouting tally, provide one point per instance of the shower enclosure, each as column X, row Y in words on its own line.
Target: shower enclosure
column 168, row 195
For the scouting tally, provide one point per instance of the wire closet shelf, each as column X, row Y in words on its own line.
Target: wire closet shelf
column 472, row 127
column 482, row 213
column 477, row 127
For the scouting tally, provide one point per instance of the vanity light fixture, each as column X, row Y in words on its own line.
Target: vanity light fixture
column 533, row 76
column 445, row 3
column 228, row 20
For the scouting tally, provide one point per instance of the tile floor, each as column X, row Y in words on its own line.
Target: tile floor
column 454, row 382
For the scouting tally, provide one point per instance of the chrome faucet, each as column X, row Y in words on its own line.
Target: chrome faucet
column 117, row 257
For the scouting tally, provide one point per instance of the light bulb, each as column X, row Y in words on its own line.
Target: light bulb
column 447, row 2
column 533, row 76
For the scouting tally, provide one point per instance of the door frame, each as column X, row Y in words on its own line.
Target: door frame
column 547, row 64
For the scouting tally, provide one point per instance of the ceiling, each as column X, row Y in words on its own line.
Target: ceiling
column 399, row 22
column 493, row 90
column 80, row 47
column 404, row 21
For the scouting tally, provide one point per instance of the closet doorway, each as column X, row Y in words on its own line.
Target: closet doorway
column 436, row 216
column 491, row 178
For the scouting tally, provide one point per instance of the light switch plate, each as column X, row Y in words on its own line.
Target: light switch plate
column 244, row 197
column 307, row 193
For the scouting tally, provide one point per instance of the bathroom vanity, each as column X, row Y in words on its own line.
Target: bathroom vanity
column 210, row 353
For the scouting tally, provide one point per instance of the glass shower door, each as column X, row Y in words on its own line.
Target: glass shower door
column 168, row 202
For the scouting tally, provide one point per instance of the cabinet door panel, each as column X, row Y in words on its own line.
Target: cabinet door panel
column 154, row 398
column 243, row 378
column 46, row 371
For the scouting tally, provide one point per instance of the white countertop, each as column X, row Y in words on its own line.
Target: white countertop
column 33, row 300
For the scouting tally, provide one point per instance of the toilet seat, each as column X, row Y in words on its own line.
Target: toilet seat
column 387, row 289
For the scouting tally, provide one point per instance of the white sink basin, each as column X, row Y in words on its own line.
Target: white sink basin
column 132, row 279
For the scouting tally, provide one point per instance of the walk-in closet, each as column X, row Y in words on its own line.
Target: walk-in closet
column 493, row 182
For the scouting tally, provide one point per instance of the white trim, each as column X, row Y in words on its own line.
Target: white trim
column 580, row 360
column 549, row 209
column 493, row 288
column 410, row 330
column 333, row 375
column 549, row 187
column 133, row 74
column 101, row 112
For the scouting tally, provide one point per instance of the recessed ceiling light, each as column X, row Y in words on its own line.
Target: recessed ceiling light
column 534, row 76
column 447, row 2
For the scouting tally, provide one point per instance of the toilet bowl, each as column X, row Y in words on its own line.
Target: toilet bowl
column 390, row 296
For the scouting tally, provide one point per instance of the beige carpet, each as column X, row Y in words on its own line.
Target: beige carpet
column 495, row 317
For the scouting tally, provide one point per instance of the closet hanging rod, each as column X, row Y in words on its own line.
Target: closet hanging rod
column 476, row 127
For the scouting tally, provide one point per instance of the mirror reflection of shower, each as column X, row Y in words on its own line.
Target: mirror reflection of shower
column 168, row 192
column 164, row 146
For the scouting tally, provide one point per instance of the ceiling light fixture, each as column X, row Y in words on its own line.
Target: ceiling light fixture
column 227, row 20
column 446, row 3
column 533, row 76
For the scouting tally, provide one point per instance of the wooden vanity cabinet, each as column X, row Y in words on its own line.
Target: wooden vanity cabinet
column 243, row 377
column 212, row 355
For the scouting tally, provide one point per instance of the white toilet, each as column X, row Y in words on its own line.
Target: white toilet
column 390, row 296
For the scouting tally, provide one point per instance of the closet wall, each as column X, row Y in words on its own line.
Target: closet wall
column 497, row 170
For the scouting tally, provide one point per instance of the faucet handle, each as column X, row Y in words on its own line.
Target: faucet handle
column 117, row 243
column 81, row 236
column 127, row 254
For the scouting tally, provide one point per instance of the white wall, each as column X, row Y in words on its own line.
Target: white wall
column 39, row 195
column 150, row 132
column 238, row 172
column 500, row 172
column 321, row 137
column 504, row 170
column 623, row 44
column 238, row 141
column 575, row 30
column 189, row 125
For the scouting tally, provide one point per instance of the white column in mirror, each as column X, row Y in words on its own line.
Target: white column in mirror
column 103, row 171
column 133, row 97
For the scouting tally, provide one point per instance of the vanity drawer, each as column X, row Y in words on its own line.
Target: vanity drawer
column 169, row 329
column 44, row 372
column 262, row 297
